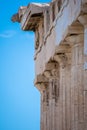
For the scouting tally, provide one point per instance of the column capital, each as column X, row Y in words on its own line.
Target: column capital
column 51, row 69
column 61, row 58
column 74, row 39
column 41, row 82
column 83, row 19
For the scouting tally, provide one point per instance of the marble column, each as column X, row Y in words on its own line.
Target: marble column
column 53, row 100
column 83, row 19
column 45, row 110
column 77, row 87
column 64, row 99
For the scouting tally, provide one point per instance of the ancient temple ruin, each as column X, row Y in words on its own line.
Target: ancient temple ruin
column 60, row 60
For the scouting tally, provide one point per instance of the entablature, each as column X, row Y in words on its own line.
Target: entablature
column 18, row 16
column 57, row 28
column 31, row 17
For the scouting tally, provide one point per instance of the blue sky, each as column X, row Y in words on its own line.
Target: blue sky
column 19, row 99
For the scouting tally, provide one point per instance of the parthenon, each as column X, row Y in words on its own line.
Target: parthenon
column 60, row 60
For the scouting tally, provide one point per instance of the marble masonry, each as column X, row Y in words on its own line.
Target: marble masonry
column 60, row 60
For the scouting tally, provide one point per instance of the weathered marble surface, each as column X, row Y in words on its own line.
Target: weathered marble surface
column 60, row 61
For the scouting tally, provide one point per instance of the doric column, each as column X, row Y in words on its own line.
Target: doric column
column 52, row 73
column 53, row 99
column 45, row 109
column 77, row 86
column 64, row 60
column 83, row 20
column 41, row 82
column 48, row 84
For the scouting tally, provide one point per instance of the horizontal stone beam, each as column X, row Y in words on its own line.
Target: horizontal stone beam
column 18, row 16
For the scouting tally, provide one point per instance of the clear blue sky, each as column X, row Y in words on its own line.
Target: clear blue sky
column 19, row 99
